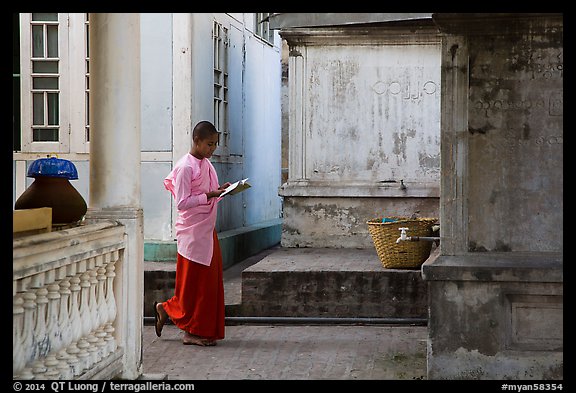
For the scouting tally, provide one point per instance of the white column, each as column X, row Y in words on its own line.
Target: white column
column 115, row 164
column 296, row 125
column 181, row 89
column 114, row 110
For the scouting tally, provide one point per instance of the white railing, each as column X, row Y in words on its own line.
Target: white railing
column 64, row 303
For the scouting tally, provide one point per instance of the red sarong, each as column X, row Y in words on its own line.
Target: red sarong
column 197, row 306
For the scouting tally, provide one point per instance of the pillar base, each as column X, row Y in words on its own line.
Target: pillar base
column 495, row 316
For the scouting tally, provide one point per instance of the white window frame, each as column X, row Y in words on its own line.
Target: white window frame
column 262, row 28
column 78, row 88
column 71, row 85
column 221, row 48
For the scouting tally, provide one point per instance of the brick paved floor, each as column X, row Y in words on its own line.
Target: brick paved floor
column 291, row 352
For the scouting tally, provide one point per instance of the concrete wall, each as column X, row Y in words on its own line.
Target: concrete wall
column 516, row 114
column 496, row 290
column 364, row 131
column 495, row 316
column 312, row 221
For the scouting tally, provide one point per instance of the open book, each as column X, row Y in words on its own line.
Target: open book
column 237, row 187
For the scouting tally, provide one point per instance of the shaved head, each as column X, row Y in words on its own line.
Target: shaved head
column 203, row 130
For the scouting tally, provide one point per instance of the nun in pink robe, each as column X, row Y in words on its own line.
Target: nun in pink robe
column 197, row 306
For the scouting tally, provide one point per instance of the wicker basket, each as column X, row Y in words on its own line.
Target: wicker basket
column 406, row 254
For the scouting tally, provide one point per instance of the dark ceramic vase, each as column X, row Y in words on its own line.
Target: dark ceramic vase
column 67, row 204
column 52, row 188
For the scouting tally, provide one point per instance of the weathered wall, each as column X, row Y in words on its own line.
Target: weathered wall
column 516, row 117
column 495, row 316
column 341, row 222
column 364, row 115
column 496, row 290
column 372, row 114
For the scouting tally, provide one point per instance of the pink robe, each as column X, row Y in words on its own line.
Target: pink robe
column 189, row 181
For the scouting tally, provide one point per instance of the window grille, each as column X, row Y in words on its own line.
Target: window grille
column 262, row 27
column 220, row 48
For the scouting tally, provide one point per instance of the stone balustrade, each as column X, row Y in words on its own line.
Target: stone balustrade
column 65, row 303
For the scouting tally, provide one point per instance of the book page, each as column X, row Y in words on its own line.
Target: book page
column 237, row 187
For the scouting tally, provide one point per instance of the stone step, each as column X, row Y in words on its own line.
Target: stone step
column 159, row 278
column 332, row 283
column 307, row 282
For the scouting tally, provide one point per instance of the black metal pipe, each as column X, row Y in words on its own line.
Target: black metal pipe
column 330, row 320
column 319, row 320
column 428, row 238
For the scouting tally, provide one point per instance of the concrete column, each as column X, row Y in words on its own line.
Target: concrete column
column 181, row 90
column 115, row 164
column 114, row 110
column 495, row 292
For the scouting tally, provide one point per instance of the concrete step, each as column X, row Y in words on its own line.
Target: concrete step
column 307, row 282
column 331, row 283
column 240, row 247
column 159, row 278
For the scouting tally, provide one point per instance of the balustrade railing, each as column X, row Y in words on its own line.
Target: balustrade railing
column 64, row 302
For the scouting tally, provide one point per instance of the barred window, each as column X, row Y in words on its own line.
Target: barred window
column 262, row 27
column 220, row 48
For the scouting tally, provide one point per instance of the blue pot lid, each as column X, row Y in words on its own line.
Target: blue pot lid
column 53, row 167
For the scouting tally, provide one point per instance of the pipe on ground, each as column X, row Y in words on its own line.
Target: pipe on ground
column 318, row 320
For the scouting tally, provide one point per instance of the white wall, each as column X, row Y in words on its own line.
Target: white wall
column 373, row 113
column 156, row 75
column 156, row 122
column 262, row 143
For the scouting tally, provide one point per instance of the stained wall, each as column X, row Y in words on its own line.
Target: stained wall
column 364, row 131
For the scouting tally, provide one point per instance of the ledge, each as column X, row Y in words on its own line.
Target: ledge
column 496, row 23
column 544, row 267
column 108, row 368
column 408, row 32
column 65, row 235
column 390, row 189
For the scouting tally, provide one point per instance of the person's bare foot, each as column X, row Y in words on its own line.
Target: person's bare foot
column 191, row 339
column 160, row 318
